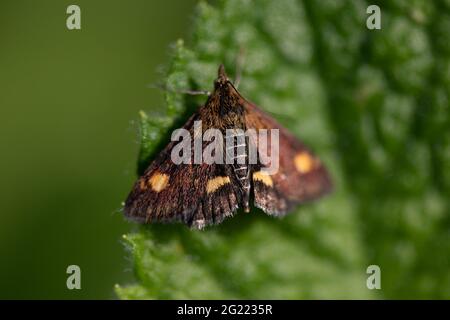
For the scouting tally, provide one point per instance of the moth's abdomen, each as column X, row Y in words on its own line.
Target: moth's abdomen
column 237, row 156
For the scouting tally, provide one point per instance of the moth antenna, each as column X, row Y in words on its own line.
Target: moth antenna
column 189, row 92
column 239, row 66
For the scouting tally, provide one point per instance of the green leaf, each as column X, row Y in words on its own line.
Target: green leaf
column 374, row 105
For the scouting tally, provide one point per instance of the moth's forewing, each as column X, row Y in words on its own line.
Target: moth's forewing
column 301, row 176
column 195, row 194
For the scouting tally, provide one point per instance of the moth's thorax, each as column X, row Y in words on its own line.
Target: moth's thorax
column 226, row 106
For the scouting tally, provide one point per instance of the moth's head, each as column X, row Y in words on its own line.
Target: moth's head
column 222, row 78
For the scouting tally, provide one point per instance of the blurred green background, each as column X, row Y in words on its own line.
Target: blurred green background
column 68, row 143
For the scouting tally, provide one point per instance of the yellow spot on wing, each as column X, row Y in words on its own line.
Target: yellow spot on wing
column 263, row 177
column 304, row 162
column 216, row 183
column 158, row 181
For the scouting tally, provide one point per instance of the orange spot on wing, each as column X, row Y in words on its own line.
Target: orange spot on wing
column 304, row 162
column 216, row 183
column 142, row 184
column 158, row 181
column 263, row 177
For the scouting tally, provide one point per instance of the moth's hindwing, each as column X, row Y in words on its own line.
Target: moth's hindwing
column 301, row 176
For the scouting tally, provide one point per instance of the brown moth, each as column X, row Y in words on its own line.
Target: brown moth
column 205, row 194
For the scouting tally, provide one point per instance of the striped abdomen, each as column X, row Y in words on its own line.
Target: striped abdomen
column 237, row 157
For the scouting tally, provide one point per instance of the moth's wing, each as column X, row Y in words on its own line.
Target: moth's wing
column 301, row 176
column 195, row 194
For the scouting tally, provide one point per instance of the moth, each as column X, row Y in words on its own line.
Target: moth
column 203, row 194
